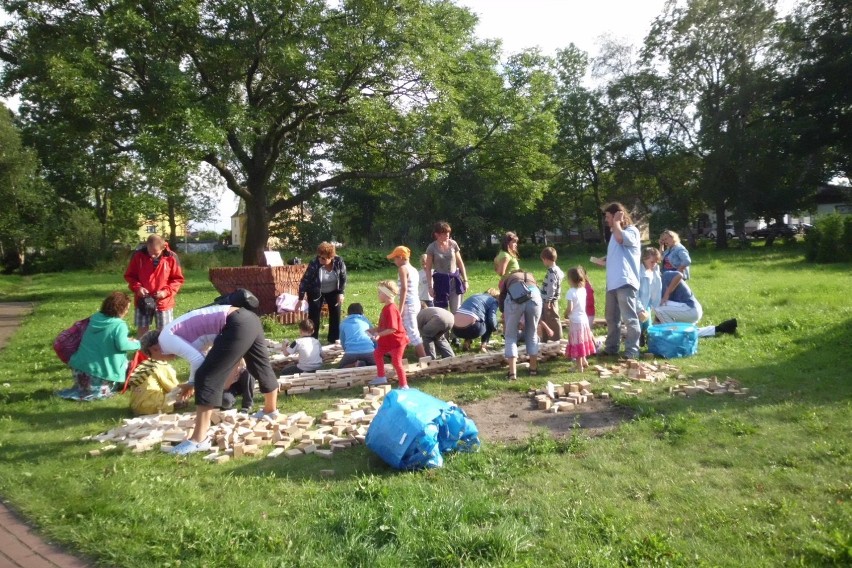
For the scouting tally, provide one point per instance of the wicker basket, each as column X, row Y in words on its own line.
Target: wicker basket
column 265, row 282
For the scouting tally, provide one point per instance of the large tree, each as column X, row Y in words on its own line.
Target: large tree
column 713, row 52
column 27, row 213
column 284, row 98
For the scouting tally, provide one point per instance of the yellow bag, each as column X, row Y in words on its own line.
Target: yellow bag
column 150, row 382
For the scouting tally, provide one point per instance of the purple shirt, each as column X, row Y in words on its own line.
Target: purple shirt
column 192, row 334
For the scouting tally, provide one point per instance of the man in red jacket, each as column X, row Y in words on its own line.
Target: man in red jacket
column 154, row 272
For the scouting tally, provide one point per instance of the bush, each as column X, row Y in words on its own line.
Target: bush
column 830, row 240
column 362, row 259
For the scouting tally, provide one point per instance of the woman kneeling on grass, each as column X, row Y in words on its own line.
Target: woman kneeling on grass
column 100, row 363
column 232, row 334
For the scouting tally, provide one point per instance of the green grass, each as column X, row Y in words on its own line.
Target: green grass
column 705, row 481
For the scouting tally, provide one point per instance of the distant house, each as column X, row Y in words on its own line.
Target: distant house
column 833, row 199
column 239, row 223
column 159, row 224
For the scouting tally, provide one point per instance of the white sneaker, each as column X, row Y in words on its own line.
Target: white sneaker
column 190, row 447
column 261, row 414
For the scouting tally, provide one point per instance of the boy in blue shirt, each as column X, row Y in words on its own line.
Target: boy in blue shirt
column 357, row 344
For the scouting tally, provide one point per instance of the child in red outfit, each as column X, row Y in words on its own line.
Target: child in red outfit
column 390, row 336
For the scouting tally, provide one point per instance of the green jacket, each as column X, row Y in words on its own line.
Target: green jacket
column 102, row 350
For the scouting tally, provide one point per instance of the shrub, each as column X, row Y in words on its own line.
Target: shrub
column 825, row 242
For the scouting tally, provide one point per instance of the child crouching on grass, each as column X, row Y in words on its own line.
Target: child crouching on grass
column 580, row 340
column 307, row 347
column 390, row 336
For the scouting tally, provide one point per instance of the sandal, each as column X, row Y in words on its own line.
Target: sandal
column 511, row 376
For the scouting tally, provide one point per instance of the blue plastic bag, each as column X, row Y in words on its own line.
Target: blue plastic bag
column 673, row 340
column 412, row 429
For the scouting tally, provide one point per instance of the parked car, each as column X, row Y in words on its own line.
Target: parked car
column 729, row 232
column 777, row 230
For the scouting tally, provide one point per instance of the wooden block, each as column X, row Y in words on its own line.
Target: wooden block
column 328, row 454
column 223, row 458
column 544, row 404
column 94, row 453
column 293, row 453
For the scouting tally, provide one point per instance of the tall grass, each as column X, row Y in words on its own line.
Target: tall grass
column 704, row 481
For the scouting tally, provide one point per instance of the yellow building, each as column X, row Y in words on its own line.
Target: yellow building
column 160, row 225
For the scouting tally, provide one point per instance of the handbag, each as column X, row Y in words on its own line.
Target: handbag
column 519, row 292
column 68, row 341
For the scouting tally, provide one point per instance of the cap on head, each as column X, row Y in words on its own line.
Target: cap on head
column 400, row 252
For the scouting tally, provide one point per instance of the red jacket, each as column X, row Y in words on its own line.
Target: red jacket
column 167, row 277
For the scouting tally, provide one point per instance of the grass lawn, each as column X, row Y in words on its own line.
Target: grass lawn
column 704, row 481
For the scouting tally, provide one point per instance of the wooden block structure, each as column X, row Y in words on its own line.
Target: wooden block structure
column 326, row 379
column 563, row 398
column 236, row 434
column 710, row 386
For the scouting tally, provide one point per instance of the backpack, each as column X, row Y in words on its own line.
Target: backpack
column 150, row 384
column 68, row 341
column 240, row 298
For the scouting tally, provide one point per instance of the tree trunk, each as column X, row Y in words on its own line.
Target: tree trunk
column 721, row 224
column 170, row 203
column 257, row 230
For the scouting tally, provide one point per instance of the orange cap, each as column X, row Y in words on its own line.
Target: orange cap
column 402, row 251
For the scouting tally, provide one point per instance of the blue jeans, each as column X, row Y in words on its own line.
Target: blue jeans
column 622, row 305
column 531, row 312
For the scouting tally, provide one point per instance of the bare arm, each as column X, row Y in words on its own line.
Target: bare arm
column 462, row 269
column 403, row 285
column 500, row 266
column 671, row 288
column 427, row 267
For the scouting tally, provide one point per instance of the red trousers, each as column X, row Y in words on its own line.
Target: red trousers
column 396, row 360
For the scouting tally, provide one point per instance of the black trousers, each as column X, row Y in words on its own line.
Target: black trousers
column 241, row 338
column 315, row 309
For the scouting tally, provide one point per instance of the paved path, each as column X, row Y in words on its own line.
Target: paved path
column 20, row 546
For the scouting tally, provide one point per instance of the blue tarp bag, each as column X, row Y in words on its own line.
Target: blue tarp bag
column 673, row 340
column 412, row 429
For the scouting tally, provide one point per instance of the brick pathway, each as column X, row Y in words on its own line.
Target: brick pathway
column 20, row 546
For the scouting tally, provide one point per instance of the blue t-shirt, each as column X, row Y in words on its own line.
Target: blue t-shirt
column 353, row 334
column 623, row 261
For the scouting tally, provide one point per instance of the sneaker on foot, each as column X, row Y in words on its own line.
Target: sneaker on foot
column 727, row 326
column 404, row 387
column 378, row 381
column 190, row 447
column 261, row 414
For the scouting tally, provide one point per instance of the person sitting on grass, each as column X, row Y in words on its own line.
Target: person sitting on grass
column 231, row 333
column 100, row 364
column 358, row 346
column 307, row 347
column 390, row 336
column 679, row 304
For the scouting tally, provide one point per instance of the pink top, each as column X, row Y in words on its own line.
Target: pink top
column 192, row 334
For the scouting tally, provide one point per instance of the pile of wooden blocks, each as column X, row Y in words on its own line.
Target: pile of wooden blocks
column 710, row 386
column 235, row 434
column 565, row 397
column 326, row 379
column 641, row 371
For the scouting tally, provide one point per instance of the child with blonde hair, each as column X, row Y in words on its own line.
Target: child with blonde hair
column 390, row 336
column 423, row 285
column 409, row 296
column 580, row 340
